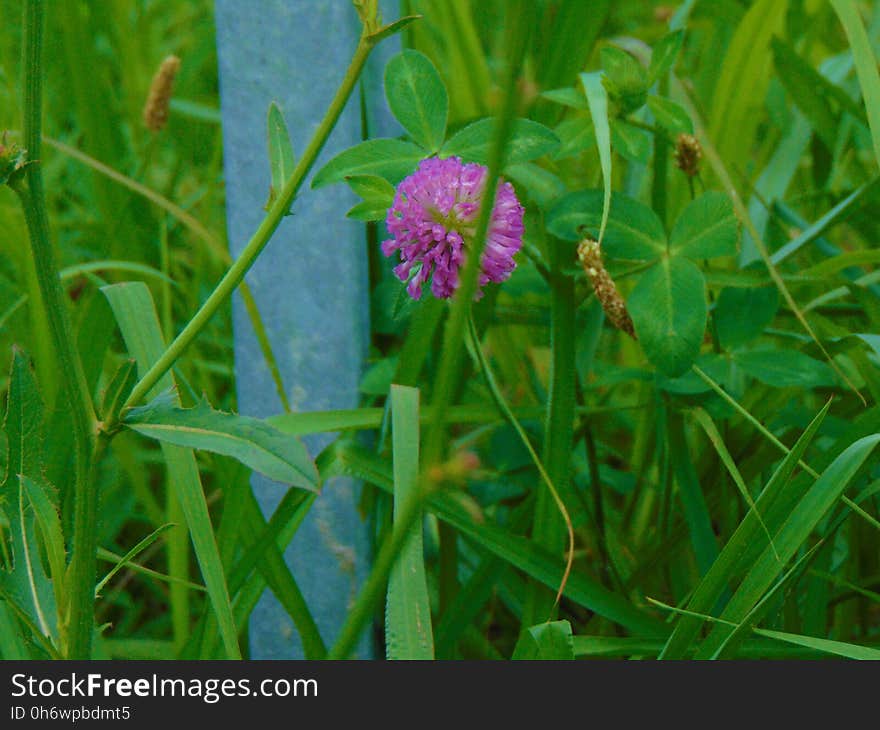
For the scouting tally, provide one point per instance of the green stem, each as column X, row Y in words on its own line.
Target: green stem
column 82, row 567
column 548, row 529
column 448, row 370
column 236, row 273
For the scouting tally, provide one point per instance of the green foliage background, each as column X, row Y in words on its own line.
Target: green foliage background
column 674, row 477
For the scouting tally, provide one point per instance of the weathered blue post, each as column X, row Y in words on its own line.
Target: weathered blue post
column 310, row 284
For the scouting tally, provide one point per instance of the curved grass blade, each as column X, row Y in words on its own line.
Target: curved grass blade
column 597, row 98
column 866, row 65
column 131, row 555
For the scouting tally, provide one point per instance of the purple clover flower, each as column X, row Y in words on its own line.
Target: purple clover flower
column 433, row 221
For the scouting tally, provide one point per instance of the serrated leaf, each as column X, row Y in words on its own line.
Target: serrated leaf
column 670, row 116
column 668, row 308
column 41, row 498
column 417, row 98
column 23, row 423
column 549, row 641
column 634, row 232
column 253, row 442
column 664, row 54
column 706, row 228
column 408, row 609
column 281, row 157
column 26, row 582
column 392, row 159
column 528, row 141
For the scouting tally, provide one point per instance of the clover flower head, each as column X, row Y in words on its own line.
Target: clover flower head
column 433, row 221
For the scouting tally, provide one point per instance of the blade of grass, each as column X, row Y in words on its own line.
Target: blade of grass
column 774, row 502
column 717, row 441
column 826, row 646
column 597, row 99
column 131, row 555
column 408, row 632
column 866, row 64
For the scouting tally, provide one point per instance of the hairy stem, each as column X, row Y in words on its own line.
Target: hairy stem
column 81, row 598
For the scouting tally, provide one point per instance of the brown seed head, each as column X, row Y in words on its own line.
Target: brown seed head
column 156, row 108
column 663, row 13
column 590, row 257
column 688, row 154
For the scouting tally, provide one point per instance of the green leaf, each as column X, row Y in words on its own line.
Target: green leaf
column 785, row 368
column 826, row 646
column 528, row 141
column 866, row 65
column 23, row 424
column 417, row 98
column 368, row 210
column 629, row 141
column 254, row 443
column 598, row 102
column 372, row 188
column 392, row 159
column 742, row 313
column 670, row 116
column 625, row 78
column 392, row 28
column 668, row 308
column 408, row 610
column 706, row 228
column 281, row 158
column 664, row 54
column 26, row 584
column 118, row 389
column 575, row 135
column 41, row 498
column 549, row 641
column 135, row 312
column 542, row 185
column 634, row 232
column 568, row 96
